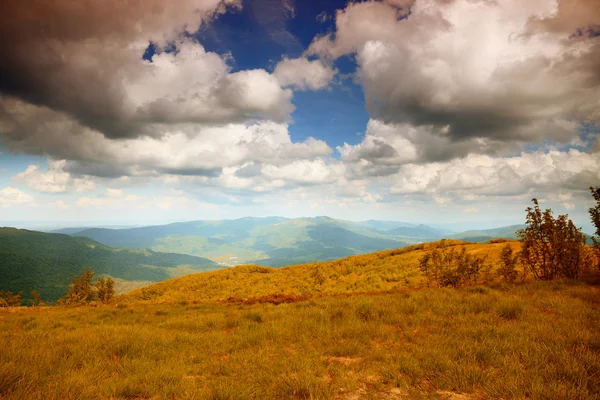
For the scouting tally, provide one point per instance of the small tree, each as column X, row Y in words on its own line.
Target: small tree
column 36, row 298
column 508, row 264
column 551, row 248
column 105, row 289
column 82, row 291
column 9, row 299
column 595, row 215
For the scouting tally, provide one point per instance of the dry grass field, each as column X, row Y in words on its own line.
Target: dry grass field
column 219, row 335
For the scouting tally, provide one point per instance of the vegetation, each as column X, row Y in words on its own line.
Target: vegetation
column 595, row 215
column 359, row 327
column 444, row 266
column 485, row 235
column 105, row 289
column 389, row 270
column 83, row 291
column 552, row 248
column 266, row 241
column 536, row 340
column 10, row 299
column 46, row 262
column 508, row 264
column 36, row 298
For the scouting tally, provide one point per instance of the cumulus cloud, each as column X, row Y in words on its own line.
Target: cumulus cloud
column 303, row 74
column 82, row 55
column 523, row 77
column 185, row 149
column 10, row 196
column 54, row 180
column 480, row 176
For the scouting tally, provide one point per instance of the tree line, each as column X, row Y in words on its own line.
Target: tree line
column 82, row 291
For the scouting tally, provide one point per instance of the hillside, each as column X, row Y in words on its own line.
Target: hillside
column 269, row 241
column 381, row 271
column 532, row 340
column 47, row 262
column 484, row 235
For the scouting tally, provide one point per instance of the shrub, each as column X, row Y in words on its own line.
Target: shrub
column 595, row 215
column 445, row 266
column 82, row 291
column 105, row 289
column 9, row 299
column 552, row 248
column 508, row 264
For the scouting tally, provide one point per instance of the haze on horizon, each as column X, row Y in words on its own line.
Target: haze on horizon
column 139, row 113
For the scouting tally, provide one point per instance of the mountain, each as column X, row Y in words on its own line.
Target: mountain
column 484, row 235
column 420, row 231
column 272, row 241
column 47, row 262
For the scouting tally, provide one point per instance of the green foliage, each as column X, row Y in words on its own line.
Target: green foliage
column 444, row 266
column 105, row 289
column 47, row 262
column 508, row 264
column 9, row 299
column 595, row 215
column 273, row 242
column 82, row 290
column 36, row 298
column 552, row 248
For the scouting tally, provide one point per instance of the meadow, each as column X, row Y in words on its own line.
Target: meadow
column 388, row 270
column 529, row 340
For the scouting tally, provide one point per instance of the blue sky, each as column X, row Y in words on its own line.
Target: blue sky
column 143, row 113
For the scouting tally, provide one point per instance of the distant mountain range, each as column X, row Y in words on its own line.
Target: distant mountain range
column 276, row 241
column 47, row 262
column 135, row 257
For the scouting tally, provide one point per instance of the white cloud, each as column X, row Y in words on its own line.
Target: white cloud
column 10, row 196
column 515, row 81
column 53, row 180
column 475, row 176
column 303, row 74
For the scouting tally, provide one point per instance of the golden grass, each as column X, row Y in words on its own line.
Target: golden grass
column 537, row 340
column 381, row 271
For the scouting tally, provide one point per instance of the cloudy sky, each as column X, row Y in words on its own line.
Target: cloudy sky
column 150, row 111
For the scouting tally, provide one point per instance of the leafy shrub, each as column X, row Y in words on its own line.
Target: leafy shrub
column 595, row 215
column 83, row 291
column 444, row 266
column 105, row 289
column 552, row 248
column 508, row 264
column 8, row 299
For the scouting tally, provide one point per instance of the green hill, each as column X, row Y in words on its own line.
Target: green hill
column 47, row 262
column 484, row 235
column 269, row 241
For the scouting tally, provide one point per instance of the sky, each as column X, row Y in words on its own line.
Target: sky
column 433, row 111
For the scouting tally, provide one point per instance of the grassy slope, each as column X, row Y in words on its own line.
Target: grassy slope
column 386, row 270
column 47, row 262
column 536, row 340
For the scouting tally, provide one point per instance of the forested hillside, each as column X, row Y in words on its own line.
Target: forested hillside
column 47, row 262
